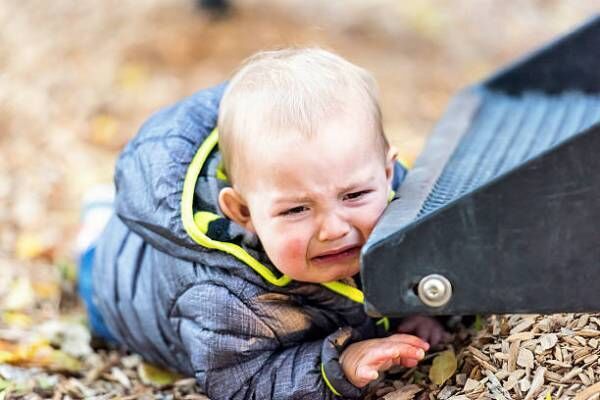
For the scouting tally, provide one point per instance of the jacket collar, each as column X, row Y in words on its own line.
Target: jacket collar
column 209, row 228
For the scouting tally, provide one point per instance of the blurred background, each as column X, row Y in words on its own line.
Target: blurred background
column 77, row 79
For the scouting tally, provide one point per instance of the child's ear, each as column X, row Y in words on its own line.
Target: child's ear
column 390, row 160
column 235, row 208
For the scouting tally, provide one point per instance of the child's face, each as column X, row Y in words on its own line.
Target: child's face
column 313, row 202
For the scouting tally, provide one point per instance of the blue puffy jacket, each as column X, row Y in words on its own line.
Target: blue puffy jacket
column 187, row 288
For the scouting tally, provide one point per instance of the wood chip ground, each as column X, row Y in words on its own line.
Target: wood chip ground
column 523, row 357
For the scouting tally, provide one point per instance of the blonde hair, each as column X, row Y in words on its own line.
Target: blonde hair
column 292, row 89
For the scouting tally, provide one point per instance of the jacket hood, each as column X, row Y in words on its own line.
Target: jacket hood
column 151, row 173
column 168, row 179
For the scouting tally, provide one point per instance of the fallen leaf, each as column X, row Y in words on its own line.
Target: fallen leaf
column 132, row 76
column 16, row 319
column 71, row 337
column 38, row 354
column 157, row 377
column 68, row 270
column 20, row 295
column 443, row 367
column 4, row 384
column 46, row 290
column 60, row 361
column 29, row 246
column 103, row 129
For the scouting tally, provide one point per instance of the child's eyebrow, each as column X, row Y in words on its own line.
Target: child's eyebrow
column 293, row 199
column 305, row 197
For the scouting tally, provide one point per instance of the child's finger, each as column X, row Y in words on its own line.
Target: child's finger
column 403, row 350
column 367, row 373
column 409, row 362
column 379, row 355
column 409, row 339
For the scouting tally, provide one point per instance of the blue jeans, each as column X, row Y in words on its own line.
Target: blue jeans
column 85, row 283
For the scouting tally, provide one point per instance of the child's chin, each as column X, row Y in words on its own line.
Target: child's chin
column 345, row 272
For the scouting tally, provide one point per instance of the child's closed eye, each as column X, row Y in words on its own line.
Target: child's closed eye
column 356, row 195
column 294, row 210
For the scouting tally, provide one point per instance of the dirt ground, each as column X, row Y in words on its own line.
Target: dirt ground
column 78, row 78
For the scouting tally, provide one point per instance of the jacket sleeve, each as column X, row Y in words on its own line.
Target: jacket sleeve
column 236, row 355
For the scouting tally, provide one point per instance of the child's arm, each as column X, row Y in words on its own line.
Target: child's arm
column 237, row 355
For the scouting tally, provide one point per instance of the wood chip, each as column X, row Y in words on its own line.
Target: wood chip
column 536, row 383
column 512, row 355
column 553, row 376
column 120, row 376
column 548, row 341
column 471, row 385
column 461, row 379
column 559, row 364
column 513, row 379
column 525, row 358
column 558, row 353
column 584, row 379
column 496, row 388
column 581, row 355
column 478, row 353
column 524, row 384
column 582, row 322
column 588, row 333
column 572, row 374
column 587, row 393
column 526, row 324
column 580, row 340
column 571, row 340
column 447, row 392
column 407, row 392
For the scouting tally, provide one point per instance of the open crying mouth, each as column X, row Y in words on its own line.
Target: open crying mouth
column 350, row 252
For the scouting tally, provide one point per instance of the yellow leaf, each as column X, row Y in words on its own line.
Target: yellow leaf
column 20, row 295
column 64, row 362
column 18, row 319
column 104, row 129
column 38, row 354
column 132, row 76
column 29, row 246
column 6, row 357
column 443, row 367
column 4, row 384
column 548, row 396
column 46, row 290
column 151, row 375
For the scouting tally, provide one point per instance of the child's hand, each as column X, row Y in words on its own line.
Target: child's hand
column 362, row 361
column 428, row 329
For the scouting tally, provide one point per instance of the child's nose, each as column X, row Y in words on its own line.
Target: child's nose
column 333, row 227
